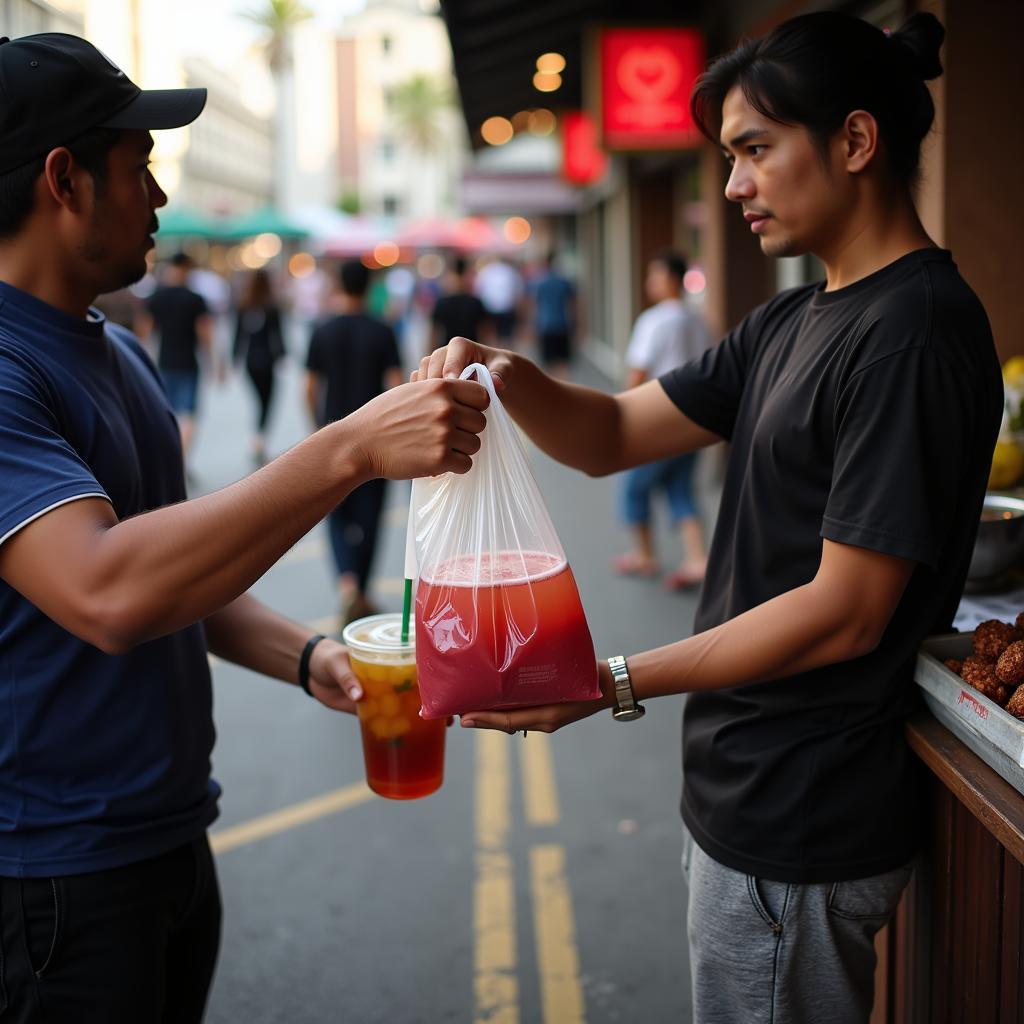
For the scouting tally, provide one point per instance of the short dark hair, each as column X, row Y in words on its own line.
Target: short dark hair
column 354, row 277
column 181, row 259
column 813, row 70
column 459, row 266
column 89, row 149
column 672, row 261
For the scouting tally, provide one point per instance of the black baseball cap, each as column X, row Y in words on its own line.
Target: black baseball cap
column 54, row 87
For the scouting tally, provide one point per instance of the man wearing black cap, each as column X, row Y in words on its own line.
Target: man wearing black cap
column 112, row 586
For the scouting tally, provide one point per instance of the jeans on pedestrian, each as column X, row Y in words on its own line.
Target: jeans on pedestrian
column 673, row 475
column 764, row 952
column 353, row 530
column 182, row 387
column 131, row 945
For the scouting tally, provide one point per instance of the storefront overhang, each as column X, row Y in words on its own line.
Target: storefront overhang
column 496, row 43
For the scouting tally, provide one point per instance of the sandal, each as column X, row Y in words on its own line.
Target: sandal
column 683, row 579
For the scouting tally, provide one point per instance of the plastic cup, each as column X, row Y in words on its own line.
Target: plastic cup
column 404, row 754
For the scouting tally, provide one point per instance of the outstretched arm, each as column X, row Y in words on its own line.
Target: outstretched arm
column 841, row 614
column 116, row 584
column 248, row 633
column 580, row 427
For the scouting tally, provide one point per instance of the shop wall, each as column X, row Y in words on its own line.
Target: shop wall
column 971, row 197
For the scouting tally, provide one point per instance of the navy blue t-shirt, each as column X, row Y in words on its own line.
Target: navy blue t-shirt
column 104, row 760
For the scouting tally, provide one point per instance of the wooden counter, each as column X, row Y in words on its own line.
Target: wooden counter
column 955, row 950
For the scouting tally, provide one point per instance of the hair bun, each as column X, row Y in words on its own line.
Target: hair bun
column 919, row 40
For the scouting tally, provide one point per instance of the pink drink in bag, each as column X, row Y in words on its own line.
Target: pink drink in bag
column 499, row 623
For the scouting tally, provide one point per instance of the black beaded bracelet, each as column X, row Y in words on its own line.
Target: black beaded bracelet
column 307, row 652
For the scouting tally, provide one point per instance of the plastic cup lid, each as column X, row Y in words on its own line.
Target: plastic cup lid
column 378, row 634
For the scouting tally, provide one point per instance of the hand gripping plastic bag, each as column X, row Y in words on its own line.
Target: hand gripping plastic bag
column 499, row 622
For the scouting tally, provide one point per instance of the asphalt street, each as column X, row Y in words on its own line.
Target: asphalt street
column 540, row 884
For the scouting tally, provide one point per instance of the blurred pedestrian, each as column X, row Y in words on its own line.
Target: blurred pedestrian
column 353, row 357
column 500, row 287
column 458, row 313
column 665, row 336
column 861, row 412
column 113, row 587
column 554, row 297
column 185, row 331
column 259, row 342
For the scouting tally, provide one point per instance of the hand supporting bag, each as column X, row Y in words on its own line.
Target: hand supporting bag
column 499, row 623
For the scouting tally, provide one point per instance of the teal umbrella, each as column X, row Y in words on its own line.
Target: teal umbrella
column 184, row 222
column 263, row 221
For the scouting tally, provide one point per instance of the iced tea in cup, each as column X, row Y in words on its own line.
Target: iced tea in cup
column 404, row 753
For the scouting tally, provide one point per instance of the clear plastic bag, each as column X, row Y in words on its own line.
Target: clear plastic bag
column 499, row 623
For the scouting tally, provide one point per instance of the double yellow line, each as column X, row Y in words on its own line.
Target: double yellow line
column 496, row 985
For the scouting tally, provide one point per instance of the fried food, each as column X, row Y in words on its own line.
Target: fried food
column 992, row 637
column 1010, row 665
column 981, row 674
column 1015, row 705
column 953, row 665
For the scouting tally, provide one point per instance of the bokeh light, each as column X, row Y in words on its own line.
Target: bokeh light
column 521, row 120
column 516, row 230
column 430, row 265
column 694, row 281
column 386, row 253
column 302, row 264
column 542, row 122
column 267, row 245
column 550, row 63
column 496, row 131
column 544, row 82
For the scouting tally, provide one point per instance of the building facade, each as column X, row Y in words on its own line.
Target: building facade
column 383, row 167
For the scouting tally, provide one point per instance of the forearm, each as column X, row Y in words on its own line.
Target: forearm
column 800, row 630
column 250, row 634
column 165, row 569
column 576, row 425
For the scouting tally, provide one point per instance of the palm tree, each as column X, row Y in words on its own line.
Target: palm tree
column 277, row 18
column 418, row 105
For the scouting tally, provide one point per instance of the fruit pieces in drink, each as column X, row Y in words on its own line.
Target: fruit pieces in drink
column 516, row 638
column 403, row 753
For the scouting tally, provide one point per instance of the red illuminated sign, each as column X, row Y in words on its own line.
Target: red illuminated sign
column 646, row 78
column 583, row 161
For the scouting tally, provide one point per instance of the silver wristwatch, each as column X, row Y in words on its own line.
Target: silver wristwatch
column 627, row 709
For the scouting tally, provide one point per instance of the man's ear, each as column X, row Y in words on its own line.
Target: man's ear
column 63, row 179
column 860, row 140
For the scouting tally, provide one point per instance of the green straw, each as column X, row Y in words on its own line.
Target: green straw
column 406, row 609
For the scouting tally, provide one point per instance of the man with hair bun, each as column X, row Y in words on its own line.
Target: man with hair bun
column 862, row 412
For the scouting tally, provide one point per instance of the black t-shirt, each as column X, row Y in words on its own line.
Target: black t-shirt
column 176, row 309
column 866, row 416
column 352, row 353
column 459, row 316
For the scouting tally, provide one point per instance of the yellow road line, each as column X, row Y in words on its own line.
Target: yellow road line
column 540, row 794
column 557, row 961
column 494, row 925
column 289, row 817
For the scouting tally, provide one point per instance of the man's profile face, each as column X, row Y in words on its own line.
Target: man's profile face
column 123, row 218
column 790, row 199
column 659, row 283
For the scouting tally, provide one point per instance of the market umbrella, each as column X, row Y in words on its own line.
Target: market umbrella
column 184, row 222
column 266, row 220
column 359, row 236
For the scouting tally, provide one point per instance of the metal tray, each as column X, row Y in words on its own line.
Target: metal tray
column 992, row 733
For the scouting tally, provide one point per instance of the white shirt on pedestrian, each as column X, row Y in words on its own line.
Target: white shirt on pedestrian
column 666, row 336
column 499, row 286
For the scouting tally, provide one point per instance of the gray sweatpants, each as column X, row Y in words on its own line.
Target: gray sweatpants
column 766, row 952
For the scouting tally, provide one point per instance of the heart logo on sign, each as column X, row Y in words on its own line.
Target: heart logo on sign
column 649, row 74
